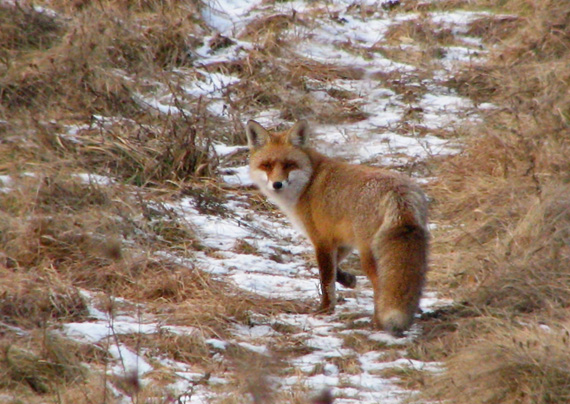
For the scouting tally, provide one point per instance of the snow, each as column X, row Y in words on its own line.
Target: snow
column 161, row 105
column 90, row 178
column 257, row 331
column 213, row 86
column 129, row 361
column 238, row 176
column 217, row 344
column 226, row 16
column 223, row 149
column 275, row 286
column 6, row 183
column 457, row 21
column 261, row 350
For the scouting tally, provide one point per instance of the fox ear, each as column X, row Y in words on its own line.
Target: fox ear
column 299, row 133
column 256, row 134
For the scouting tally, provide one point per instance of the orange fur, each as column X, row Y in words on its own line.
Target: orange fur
column 340, row 207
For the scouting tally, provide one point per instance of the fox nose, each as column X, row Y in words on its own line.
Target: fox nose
column 277, row 185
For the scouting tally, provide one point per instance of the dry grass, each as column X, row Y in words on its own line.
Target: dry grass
column 361, row 343
column 40, row 362
column 87, row 76
column 509, row 188
column 506, row 261
column 419, row 42
column 526, row 365
column 281, row 83
column 419, row 31
column 406, row 376
column 35, row 300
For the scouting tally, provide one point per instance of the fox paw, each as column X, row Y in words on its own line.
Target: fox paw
column 345, row 279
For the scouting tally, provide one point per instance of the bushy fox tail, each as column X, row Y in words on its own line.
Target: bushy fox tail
column 400, row 247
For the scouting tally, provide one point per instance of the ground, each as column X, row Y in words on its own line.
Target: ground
column 193, row 288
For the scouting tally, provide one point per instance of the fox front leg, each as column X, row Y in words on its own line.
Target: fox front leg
column 326, row 259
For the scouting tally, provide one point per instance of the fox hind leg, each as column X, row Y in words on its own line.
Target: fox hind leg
column 370, row 268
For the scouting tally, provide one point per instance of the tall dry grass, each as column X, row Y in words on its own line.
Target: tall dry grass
column 525, row 365
column 505, row 204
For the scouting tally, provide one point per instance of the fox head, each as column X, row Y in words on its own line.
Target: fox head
column 279, row 164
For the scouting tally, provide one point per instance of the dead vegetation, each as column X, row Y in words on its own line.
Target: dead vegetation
column 506, row 262
column 88, row 78
column 526, row 365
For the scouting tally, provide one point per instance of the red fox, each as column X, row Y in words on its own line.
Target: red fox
column 341, row 207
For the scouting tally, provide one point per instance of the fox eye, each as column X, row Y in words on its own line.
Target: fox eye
column 267, row 166
column 289, row 165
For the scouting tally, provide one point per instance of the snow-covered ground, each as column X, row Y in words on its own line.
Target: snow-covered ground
column 377, row 139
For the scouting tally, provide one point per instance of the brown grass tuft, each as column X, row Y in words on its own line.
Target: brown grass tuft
column 186, row 348
column 527, row 365
column 41, row 368
column 425, row 42
column 503, row 204
column 535, row 276
column 33, row 301
column 419, row 31
column 493, row 29
column 24, row 28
